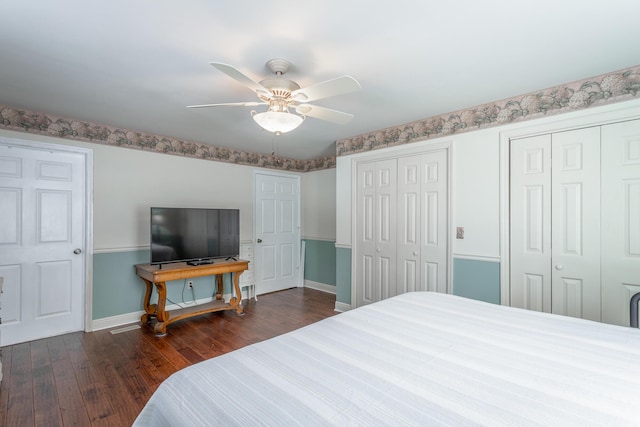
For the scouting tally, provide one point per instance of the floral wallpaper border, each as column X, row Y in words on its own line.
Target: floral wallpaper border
column 605, row 89
column 50, row 125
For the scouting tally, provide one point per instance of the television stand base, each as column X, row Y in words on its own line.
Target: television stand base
column 200, row 262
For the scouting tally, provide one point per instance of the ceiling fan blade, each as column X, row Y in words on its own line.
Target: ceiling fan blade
column 242, row 78
column 333, row 87
column 323, row 113
column 229, row 104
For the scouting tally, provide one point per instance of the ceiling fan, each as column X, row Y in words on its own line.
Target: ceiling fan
column 280, row 94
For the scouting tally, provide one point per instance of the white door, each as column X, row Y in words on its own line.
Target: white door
column 422, row 222
column 555, row 223
column 530, row 217
column 42, row 235
column 621, row 208
column 376, row 231
column 277, row 232
column 575, row 223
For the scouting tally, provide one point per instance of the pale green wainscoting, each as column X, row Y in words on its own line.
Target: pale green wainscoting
column 343, row 276
column 116, row 288
column 320, row 264
column 477, row 279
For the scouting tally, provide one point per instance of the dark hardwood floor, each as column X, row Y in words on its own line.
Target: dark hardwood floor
column 104, row 379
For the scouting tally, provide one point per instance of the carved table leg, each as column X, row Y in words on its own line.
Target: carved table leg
column 236, row 301
column 149, row 309
column 160, row 329
column 220, row 287
column 161, row 314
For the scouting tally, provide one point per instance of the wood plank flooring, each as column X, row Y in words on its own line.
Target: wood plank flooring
column 104, row 379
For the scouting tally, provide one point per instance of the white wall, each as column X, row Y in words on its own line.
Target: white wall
column 319, row 205
column 475, row 194
column 343, row 201
column 128, row 182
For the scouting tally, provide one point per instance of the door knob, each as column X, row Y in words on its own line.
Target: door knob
column 559, row 267
column 259, row 240
column 378, row 250
column 415, row 254
column 77, row 251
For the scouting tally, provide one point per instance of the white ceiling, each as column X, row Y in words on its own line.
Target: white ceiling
column 136, row 64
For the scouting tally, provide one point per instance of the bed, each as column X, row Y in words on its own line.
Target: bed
column 416, row 359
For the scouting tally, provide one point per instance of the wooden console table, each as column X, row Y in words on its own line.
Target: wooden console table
column 154, row 275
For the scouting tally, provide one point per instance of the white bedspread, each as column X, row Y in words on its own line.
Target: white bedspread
column 416, row 359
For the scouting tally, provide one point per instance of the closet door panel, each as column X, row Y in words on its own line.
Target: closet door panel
column 434, row 221
column 365, row 244
column 409, row 225
column 530, row 223
column 533, row 291
column 367, row 276
column 385, row 228
column 575, row 220
column 375, row 245
column 621, row 210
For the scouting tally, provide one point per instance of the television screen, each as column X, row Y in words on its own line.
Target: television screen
column 192, row 234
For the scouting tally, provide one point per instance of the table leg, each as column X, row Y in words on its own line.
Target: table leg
column 162, row 316
column 220, row 286
column 149, row 309
column 160, row 329
column 236, row 301
column 161, row 313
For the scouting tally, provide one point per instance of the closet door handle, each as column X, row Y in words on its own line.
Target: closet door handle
column 559, row 267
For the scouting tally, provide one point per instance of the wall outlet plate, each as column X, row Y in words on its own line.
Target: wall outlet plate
column 459, row 232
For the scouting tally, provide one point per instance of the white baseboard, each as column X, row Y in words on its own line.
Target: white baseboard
column 342, row 307
column 320, row 286
column 113, row 321
column 128, row 318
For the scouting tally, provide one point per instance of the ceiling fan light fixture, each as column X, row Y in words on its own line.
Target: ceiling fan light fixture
column 277, row 121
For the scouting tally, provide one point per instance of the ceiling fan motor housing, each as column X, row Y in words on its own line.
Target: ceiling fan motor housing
column 280, row 87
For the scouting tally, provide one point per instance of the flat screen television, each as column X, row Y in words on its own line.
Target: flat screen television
column 194, row 235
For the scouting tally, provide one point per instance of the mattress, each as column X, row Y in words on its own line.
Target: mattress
column 416, row 359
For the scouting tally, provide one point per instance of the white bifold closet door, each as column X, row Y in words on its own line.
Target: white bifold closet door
column 555, row 223
column 401, row 226
column 621, row 219
column 422, row 223
column 376, row 231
